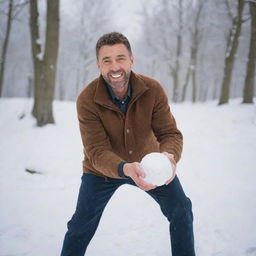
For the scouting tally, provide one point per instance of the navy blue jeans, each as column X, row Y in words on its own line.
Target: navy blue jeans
column 94, row 195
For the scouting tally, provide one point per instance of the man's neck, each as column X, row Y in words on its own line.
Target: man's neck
column 121, row 95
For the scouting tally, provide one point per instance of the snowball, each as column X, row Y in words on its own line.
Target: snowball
column 158, row 168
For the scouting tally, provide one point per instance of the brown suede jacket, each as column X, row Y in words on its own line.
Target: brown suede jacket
column 110, row 137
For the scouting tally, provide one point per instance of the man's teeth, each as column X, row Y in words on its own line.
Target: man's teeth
column 116, row 75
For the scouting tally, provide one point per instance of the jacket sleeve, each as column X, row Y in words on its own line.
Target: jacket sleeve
column 97, row 147
column 164, row 126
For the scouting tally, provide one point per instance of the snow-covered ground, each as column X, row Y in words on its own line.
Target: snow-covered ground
column 217, row 170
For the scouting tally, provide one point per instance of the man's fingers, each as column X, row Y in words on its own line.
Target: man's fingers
column 170, row 156
column 137, row 174
column 143, row 184
column 140, row 171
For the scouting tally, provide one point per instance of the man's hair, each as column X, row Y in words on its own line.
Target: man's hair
column 111, row 39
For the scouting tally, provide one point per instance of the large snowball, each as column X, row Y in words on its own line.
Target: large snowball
column 157, row 167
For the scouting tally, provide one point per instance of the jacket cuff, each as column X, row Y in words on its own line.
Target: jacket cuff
column 121, row 171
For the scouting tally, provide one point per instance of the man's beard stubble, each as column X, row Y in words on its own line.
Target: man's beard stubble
column 122, row 83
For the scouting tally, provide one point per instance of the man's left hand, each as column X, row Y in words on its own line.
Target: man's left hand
column 173, row 163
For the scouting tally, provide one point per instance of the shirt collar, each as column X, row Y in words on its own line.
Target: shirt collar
column 112, row 94
column 138, row 83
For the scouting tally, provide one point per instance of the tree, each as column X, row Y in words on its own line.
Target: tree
column 231, row 50
column 5, row 45
column 194, row 49
column 194, row 45
column 249, row 80
column 45, row 65
column 90, row 30
column 176, row 68
column 14, row 8
column 164, row 31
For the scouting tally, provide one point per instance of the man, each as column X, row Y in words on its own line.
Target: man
column 124, row 116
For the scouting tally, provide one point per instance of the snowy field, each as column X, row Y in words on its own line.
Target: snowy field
column 217, row 171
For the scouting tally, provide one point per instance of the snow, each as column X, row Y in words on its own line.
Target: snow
column 157, row 167
column 217, row 171
column 40, row 56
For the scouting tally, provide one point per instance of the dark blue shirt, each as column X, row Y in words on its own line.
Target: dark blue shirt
column 123, row 106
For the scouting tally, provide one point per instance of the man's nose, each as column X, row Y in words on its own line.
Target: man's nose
column 114, row 66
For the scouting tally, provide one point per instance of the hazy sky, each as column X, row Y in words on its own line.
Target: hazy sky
column 127, row 16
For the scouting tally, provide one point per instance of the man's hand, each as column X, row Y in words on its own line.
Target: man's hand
column 173, row 162
column 134, row 171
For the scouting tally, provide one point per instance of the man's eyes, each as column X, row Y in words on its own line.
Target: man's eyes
column 121, row 59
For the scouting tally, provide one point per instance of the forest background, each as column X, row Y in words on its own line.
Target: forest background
column 199, row 50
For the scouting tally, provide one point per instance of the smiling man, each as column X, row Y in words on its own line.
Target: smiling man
column 115, row 63
column 122, row 117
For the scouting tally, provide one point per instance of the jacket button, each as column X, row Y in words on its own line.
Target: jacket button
column 127, row 130
column 130, row 152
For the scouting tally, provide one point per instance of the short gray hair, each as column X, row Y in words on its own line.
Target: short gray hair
column 111, row 39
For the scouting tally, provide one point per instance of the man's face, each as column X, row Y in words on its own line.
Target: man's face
column 115, row 63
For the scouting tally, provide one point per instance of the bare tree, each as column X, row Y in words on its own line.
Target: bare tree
column 251, row 64
column 194, row 47
column 13, row 10
column 45, row 65
column 152, row 25
column 164, row 30
column 176, row 68
column 90, row 29
column 231, row 50
column 5, row 45
column 185, row 85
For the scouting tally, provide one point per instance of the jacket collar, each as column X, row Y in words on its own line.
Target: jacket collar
column 101, row 95
column 112, row 94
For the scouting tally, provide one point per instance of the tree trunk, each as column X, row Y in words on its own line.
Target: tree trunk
column 175, row 77
column 192, row 69
column 44, row 68
column 249, row 80
column 50, row 59
column 176, row 69
column 5, row 45
column 36, row 53
column 185, row 86
column 194, row 50
column 230, row 54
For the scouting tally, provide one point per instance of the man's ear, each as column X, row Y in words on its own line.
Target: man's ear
column 132, row 60
column 98, row 64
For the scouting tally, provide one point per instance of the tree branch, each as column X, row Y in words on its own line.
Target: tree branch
column 231, row 16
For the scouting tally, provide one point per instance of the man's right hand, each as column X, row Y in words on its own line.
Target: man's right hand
column 134, row 171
